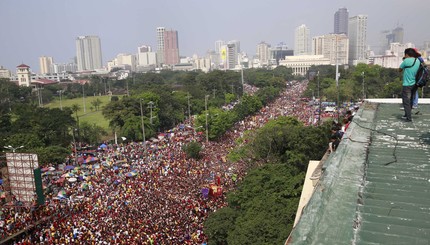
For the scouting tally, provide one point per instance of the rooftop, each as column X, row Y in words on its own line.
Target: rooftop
column 375, row 189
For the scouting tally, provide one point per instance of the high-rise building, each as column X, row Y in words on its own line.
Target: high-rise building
column 302, row 41
column 171, row 47
column 341, row 21
column 88, row 53
column 263, row 53
column 160, row 45
column 279, row 52
column 145, row 56
column 218, row 45
column 332, row 46
column 388, row 37
column 45, row 64
column 232, row 52
column 357, row 33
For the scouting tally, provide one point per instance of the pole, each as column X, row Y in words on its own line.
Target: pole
column 319, row 99
column 241, row 74
column 337, row 82
column 364, row 95
column 189, row 107
column 206, row 111
column 126, row 80
column 83, row 98
column 151, row 104
column 61, row 103
column 75, row 154
column 141, row 119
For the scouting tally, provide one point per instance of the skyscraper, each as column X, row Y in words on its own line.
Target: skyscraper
column 45, row 64
column 263, row 53
column 302, row 41
column 171, row 47
column 160, row 45
column 357, row 33
column 88, row 53
column 341, row 21
column 232, row 52
column 332, row 46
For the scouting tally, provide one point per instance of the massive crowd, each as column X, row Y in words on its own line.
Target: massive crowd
column 136, row 193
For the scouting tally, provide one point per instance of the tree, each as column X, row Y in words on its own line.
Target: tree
column 219, row 225
column 96, row 103
column 192, row 150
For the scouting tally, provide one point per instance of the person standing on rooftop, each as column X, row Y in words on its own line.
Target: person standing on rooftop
column 409, row 66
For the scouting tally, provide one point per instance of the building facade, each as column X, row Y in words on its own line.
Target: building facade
column 160, row 45
column 45, row 63
column 88, row 53
column 171, row 47
column 145, row 56
column 232, row 50
column 302, row 41
column 4, row 73
column 23, row 74
column 341, row 21
column 301, row 64
column 357, row 33
column 335, row 47
column 263, row 53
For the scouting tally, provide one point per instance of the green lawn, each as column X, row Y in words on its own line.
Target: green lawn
column 89, row 115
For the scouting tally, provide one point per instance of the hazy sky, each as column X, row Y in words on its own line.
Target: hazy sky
column 33, row 28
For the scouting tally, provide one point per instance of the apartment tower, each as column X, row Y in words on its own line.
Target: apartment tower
column 88, row 53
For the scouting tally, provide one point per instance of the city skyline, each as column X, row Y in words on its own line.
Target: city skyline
column 51, row 27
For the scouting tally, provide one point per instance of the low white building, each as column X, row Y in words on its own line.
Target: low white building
column 4, row 73
column 301, row 63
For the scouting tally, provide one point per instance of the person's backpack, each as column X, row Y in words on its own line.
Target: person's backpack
column 422, row 76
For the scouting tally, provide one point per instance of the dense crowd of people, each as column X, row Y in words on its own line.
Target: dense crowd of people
column 135, row 193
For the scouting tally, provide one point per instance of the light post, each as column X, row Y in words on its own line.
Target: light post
column 13, row 149
column 319, row 98
column 364, row 94
column 126, row 81
column 75, row 151
column 207, row 113
column 61, row 103
column 189, row 107
column 151, row 105
column 337, row 81
column 141, row 118
column 83, row 97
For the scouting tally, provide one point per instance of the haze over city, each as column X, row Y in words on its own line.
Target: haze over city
column 35, row 28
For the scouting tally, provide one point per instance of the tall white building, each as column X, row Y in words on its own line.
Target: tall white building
column 218, row 45
column 145, row 56
column 357, row 33
column 302, row 41
column 88, row 53
column 232, row 50
column 332, row 46
column 45, row 63
column 160, row 45
column 263, row 53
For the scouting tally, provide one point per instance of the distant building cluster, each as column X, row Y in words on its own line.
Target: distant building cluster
column 346, row 46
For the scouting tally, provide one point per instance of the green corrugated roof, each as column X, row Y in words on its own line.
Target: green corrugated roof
column 377, row 193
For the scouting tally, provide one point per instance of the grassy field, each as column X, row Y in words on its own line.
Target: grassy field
column 90, row 115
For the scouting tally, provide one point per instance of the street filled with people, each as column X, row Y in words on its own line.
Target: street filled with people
column 142, row 193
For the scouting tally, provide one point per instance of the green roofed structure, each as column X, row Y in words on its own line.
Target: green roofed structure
column 375, row 189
